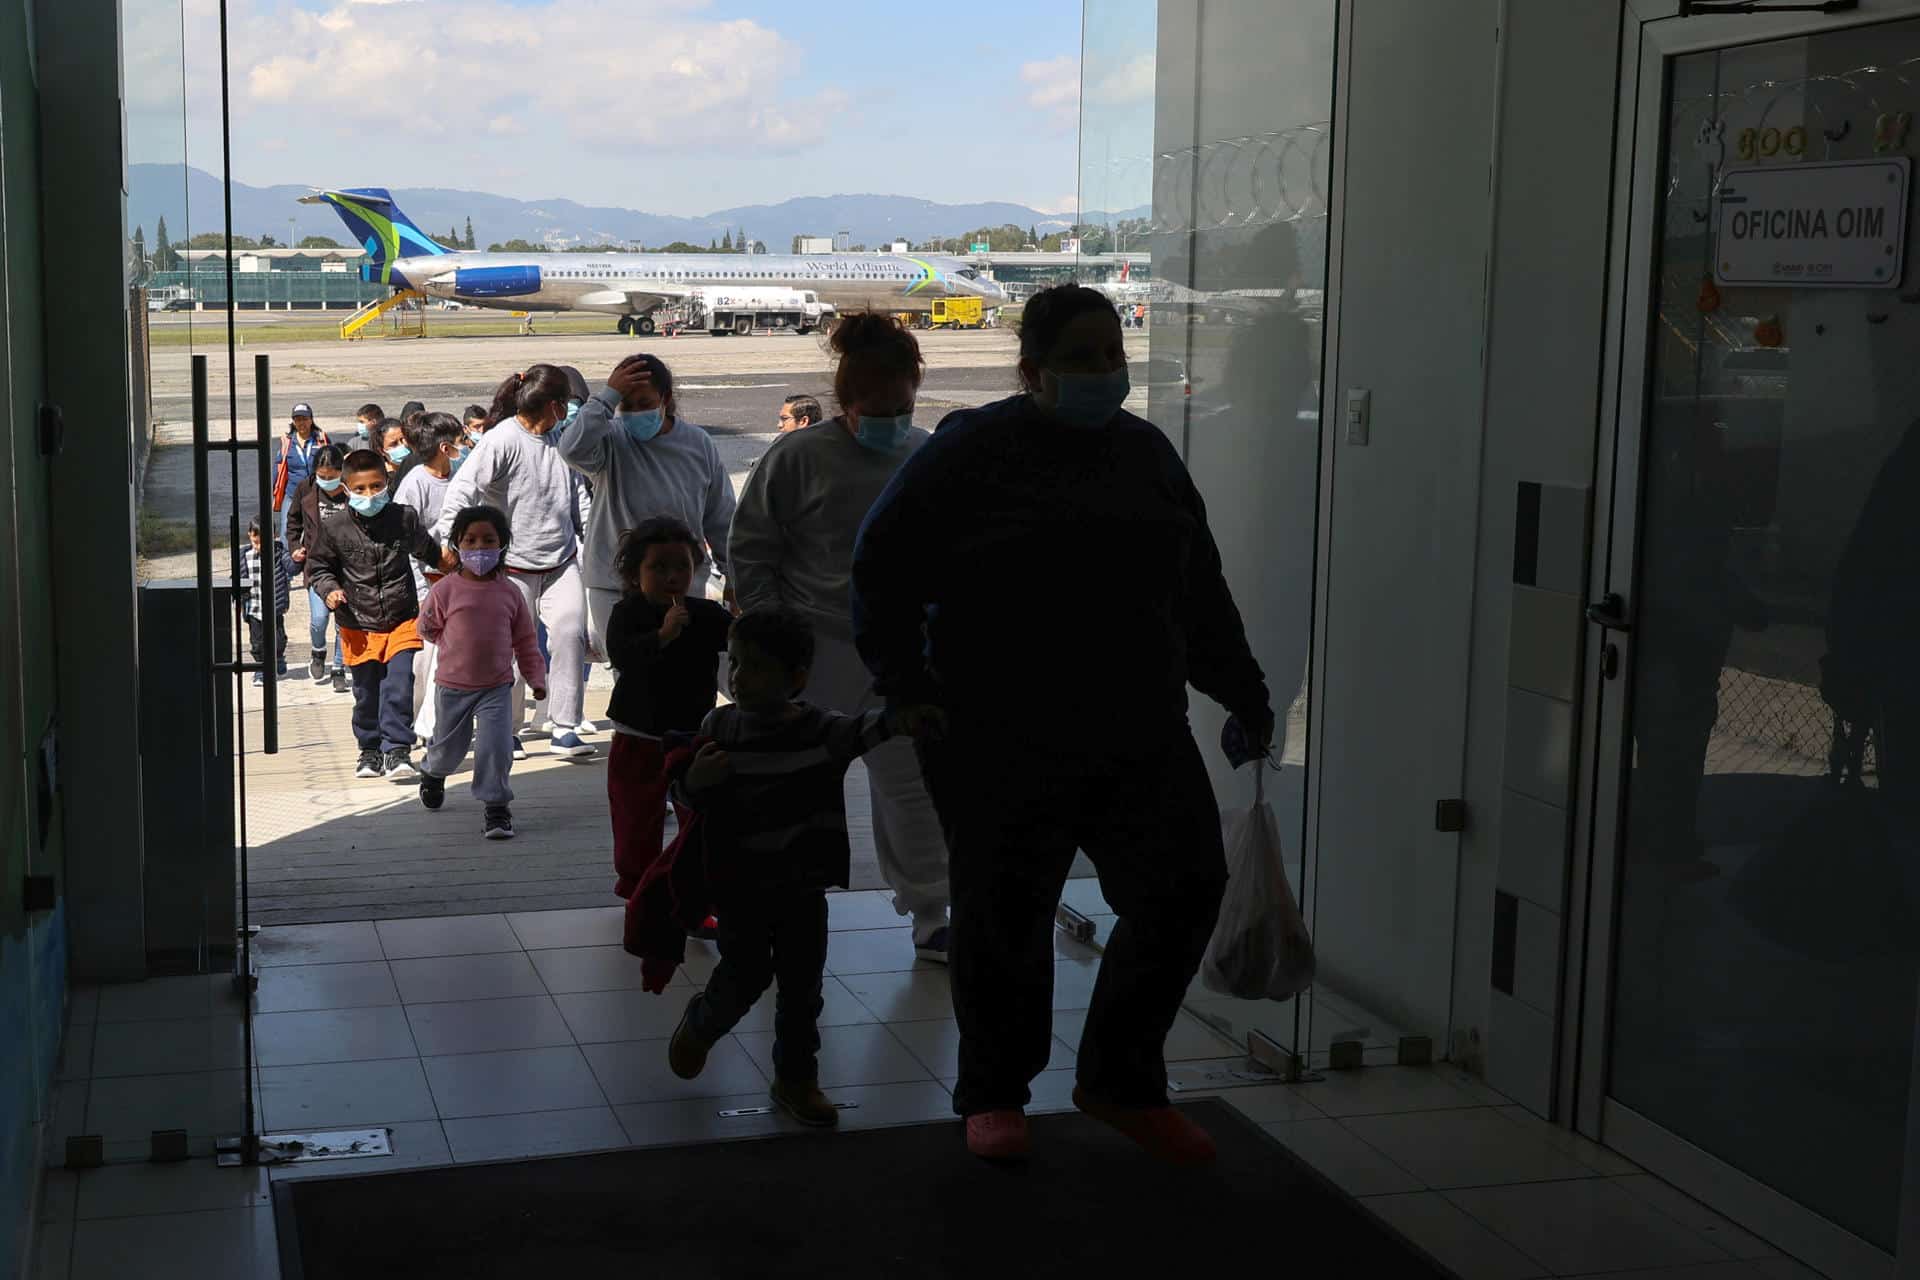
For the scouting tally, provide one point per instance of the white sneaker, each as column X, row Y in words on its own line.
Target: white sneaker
column 585, row 727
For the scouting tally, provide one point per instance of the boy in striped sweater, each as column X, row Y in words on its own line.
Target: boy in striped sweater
column 768, row 788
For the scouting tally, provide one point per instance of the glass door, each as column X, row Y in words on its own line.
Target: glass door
column 1757, row 832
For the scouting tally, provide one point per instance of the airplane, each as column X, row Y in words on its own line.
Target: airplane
column 633, row 286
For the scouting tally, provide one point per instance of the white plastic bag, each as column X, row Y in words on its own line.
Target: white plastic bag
column 1260, row 949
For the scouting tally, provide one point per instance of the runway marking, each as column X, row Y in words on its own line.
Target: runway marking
column 727, row 386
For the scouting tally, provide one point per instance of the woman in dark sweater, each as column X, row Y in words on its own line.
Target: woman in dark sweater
column 667, row 648
column 1068, row 726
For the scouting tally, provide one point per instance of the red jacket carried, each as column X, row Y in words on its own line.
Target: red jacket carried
column 676, row 894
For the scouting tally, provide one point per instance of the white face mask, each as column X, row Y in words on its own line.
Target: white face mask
column 1089, row 399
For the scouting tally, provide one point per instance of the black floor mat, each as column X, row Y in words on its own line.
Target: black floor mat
column 906, row 1202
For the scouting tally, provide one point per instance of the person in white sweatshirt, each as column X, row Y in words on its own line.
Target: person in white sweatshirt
column 792, row 547
column 643, row 461
column 516, row 468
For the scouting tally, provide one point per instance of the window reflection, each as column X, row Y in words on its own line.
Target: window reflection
column 1767, row 950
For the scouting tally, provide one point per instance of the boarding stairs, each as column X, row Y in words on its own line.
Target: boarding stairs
column 355, row 325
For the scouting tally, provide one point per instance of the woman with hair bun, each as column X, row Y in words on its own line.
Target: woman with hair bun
column 515, row 467
column 792, row 547
column 1066, row 724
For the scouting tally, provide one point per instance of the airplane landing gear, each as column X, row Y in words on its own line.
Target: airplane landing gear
column 644, row 326
column 626, row 325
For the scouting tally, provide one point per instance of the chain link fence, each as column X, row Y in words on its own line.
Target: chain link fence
column 1768, row 725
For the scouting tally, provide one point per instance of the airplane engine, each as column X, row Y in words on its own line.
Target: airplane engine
column 496, row 282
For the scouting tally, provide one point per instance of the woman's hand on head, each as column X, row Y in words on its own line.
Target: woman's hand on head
column 629, row 376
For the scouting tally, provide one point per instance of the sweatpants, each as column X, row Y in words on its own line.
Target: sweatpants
column 478, row 717
column 557, row 599
column 774, row 936
column 383, row 703
column 1013, row 819
column 906, row 828
column 257, row 640
column 637, row 787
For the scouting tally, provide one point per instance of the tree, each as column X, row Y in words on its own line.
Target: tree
column 163, row 255
column 266, row 242
column 140, row 242
column 515, row 246
column 320, row 242
column 726, row 245
column 713, row 246
column 468, row 242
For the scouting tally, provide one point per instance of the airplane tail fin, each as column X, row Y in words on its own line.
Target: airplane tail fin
column 379, row 227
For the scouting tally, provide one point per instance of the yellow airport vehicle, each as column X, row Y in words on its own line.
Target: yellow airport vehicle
column 956, row 313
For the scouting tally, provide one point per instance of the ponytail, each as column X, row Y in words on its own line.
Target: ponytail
column 529, row 393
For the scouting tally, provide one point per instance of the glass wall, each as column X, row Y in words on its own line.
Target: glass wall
column 1205, row 142
column 1767, row 957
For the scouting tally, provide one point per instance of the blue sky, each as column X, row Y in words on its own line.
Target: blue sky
column 672, row 106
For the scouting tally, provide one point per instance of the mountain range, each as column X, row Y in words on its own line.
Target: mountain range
column 191, row 201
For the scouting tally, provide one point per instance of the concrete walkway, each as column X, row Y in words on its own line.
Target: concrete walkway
column 326, row 846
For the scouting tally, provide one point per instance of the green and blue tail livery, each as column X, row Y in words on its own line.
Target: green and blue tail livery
column 379, row 227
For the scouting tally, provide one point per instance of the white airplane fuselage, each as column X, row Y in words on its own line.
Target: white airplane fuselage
column 637, row 284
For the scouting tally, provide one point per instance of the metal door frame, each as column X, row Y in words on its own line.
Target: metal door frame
column 1653, row 33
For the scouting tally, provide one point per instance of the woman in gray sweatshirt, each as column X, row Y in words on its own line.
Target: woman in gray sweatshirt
column 643, row 461
column 792, row 546
column 515, row 467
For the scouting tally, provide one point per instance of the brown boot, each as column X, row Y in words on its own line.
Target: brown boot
column 687, row 1051
column 805, row 1103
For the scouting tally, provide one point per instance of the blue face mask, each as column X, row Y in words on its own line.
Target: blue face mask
column 643, row 425
column 330, row 486
column 884, row 435
column 1089, row 399
column 369, row 504
column 399, row 453
column 573, row 411
column 458, row 458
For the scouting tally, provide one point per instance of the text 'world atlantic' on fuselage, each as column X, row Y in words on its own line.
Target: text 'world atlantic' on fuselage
column 635, row 285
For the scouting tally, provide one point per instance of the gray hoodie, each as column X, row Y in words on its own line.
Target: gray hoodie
column 522, row 474
column 677, row 473
column 793, row 535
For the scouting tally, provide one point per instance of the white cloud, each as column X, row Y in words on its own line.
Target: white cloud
column 628, row 76
column 1129, row 82
column 1053, row 86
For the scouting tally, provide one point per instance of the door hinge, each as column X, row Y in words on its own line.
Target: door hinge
column 1450, row 816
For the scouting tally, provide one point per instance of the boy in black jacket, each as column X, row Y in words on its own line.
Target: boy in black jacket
column 359, row 568
column 667, row 648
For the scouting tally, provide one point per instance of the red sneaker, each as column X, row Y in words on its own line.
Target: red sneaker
column 709, row 930
column 1162, row 1131
column 998, row 1135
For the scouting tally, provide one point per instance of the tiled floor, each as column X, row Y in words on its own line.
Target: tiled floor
column 508, row 1036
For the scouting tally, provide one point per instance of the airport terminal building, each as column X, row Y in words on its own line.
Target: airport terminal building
column 1547, row 370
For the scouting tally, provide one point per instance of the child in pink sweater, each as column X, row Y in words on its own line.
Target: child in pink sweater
column 481, row 623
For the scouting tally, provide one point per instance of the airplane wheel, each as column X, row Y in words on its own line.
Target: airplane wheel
column 626, row 325
column 644, row 326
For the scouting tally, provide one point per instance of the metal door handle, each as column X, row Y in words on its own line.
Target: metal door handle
column 271, row 621
column 1610, row 611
